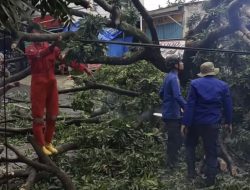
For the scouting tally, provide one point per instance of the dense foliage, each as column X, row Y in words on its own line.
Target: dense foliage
column 117, row 153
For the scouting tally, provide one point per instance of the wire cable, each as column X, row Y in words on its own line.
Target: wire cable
column 166, row 47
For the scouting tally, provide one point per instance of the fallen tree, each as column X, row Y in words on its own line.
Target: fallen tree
column 212, row 28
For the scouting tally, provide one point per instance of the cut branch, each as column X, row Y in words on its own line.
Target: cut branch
column 30, row 180
column 16, row 130
column 78, row 121
column 92, row 85
column 226, row 156
column 17, row 76
column 14, row 174
column 66, row 147
column 31, row 37
column 47, row 165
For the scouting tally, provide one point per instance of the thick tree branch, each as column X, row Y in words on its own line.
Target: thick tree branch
column 7, row 87
column 233, row 25
column 16, row 130
column 135, row 32
column 66, row 147
column 10, row 160
column 14, row 174
column 13, row 100
column 31, row 37
column 17, row 76
column 78, row 121
column 30, row 180
column 49, row 166
column 92, row 85
column 62, row 176
column 203, row 24
column 78, row 13
column 148, row 19
column 226, row 156
column 244, row 37
column 213, row 36
column 8, row 134
column 8, row 121
column 31, row 173
column 28, row 118
column 127, row 28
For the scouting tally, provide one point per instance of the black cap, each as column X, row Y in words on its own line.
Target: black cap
column 172, row 60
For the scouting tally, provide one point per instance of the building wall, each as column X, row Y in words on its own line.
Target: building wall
column 176, row 26
column 168, row 31
column 168, row 23
column 167, row 28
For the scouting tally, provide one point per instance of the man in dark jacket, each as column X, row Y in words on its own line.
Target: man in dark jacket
column 173, row 102
column 207, row 96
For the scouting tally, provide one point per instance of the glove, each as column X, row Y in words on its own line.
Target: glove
column 81, row 67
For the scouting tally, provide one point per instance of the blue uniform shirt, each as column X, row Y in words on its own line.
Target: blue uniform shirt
column 207, row 96
column 171, row 96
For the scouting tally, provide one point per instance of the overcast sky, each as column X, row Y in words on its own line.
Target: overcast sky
column 154, row 4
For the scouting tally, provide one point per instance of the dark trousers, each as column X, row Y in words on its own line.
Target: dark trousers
column 209, row 135
column 174, row 141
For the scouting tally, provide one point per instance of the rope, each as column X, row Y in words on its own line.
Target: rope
column 5, row 114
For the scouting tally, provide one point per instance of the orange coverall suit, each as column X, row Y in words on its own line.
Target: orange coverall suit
column 44, row 93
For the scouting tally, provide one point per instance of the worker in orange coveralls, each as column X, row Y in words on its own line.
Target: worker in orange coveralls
column 44, row 92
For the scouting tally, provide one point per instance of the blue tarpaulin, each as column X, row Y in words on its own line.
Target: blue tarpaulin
column 115, row 50
column 108, row 34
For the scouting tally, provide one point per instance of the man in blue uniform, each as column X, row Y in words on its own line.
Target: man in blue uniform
column 203, row 113
column 173, row 102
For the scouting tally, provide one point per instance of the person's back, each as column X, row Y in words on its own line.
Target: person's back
column 172, row 99
column 172, row 103
column 211, row 98
column 202, row 118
